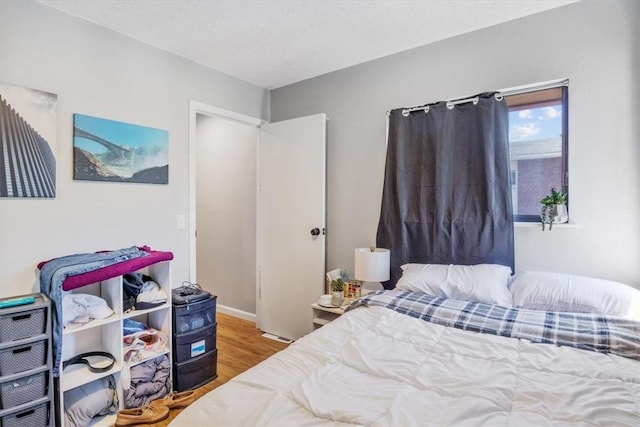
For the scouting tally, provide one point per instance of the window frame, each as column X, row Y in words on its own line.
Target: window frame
column 564, row 143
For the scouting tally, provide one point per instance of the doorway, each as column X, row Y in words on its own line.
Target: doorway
column 223, row 147
column 261, row 203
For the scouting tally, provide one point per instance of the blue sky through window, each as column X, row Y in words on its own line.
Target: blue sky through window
column 535, row 123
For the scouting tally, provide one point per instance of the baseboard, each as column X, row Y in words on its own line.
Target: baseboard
column 251, row 317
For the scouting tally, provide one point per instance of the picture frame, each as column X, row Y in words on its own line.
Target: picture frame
column 109, row 150
column 28, row 145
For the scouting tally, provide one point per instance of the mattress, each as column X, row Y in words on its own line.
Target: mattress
column 375, row 366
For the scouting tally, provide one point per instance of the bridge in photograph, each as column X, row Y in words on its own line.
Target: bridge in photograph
column 114, row 148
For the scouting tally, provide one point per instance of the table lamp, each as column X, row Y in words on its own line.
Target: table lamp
column 372, row 267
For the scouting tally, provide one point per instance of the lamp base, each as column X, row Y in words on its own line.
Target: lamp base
column 368, row 287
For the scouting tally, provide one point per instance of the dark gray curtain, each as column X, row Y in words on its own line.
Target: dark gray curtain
column 447, row 196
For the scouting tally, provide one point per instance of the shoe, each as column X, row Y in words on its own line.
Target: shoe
column 175, row 400
column 146, row 415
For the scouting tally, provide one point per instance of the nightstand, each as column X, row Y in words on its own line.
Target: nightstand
column 323, row 315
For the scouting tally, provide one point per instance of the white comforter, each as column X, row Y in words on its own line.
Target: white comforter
column 376, row 367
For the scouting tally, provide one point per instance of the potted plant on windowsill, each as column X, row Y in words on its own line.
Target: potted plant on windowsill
column 337, row 292
column 554, row 208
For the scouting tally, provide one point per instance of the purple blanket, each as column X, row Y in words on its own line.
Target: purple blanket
column 83, row 279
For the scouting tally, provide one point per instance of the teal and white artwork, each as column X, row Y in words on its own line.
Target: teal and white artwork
column 108, row 150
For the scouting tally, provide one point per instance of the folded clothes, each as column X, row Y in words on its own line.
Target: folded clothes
column 143, row 344
column 140, row 346
column 79, row 309
column 141, row 292
column 150, row 295
column 130, row 326
column 148, row 381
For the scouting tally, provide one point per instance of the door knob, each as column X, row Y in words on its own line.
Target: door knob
column 315, row 231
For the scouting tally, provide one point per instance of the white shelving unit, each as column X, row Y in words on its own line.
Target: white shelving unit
column 106, row 335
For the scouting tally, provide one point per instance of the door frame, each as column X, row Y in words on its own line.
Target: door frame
column 196, row 108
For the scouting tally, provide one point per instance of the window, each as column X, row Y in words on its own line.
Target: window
column 538, row 148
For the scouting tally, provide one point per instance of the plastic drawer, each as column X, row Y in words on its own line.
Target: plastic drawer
column 23, row 324
column 23, row 357
column 193, row 344
column 23, row 390
column 37, row 416
column 189, row 317
column 196, row 372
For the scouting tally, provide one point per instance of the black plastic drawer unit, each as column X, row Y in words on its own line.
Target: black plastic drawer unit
column 195, row 315
column 195, row 354
column 193, row 344
column 197, row 372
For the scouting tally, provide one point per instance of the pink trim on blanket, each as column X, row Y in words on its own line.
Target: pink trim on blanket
column 79, row 280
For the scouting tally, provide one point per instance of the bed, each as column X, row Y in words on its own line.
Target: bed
column 408, row 357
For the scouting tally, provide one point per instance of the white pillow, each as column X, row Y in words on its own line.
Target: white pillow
column 486, row 283
column 536, row 290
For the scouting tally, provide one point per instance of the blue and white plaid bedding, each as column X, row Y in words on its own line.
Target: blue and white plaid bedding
column 600, row 333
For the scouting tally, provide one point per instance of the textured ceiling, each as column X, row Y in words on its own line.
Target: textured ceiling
column 276, row 43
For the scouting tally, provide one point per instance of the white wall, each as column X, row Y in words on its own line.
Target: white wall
column 594, row 44
column 97, row 72
column 226, row 210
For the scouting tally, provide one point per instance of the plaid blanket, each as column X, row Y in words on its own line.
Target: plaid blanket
column 600, row 333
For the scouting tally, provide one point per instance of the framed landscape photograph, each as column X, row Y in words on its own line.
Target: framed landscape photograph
column 108, row 150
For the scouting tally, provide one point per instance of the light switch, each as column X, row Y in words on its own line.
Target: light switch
column 180, row 222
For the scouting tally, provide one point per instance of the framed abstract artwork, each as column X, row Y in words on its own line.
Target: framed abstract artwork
column 108, row 150
column 27, row 142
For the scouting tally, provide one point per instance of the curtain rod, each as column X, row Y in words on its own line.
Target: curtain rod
column 534, row 87
column 499, row 95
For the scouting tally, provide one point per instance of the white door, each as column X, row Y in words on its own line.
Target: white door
column 291, row 223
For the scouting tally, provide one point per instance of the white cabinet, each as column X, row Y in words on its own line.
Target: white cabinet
column 107, row 335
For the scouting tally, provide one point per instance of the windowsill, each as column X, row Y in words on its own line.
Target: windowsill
column 537, row 224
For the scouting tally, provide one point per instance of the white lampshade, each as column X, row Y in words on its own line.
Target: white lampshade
column 372, row 266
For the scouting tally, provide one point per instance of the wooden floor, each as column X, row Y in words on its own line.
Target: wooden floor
column 240, row 346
